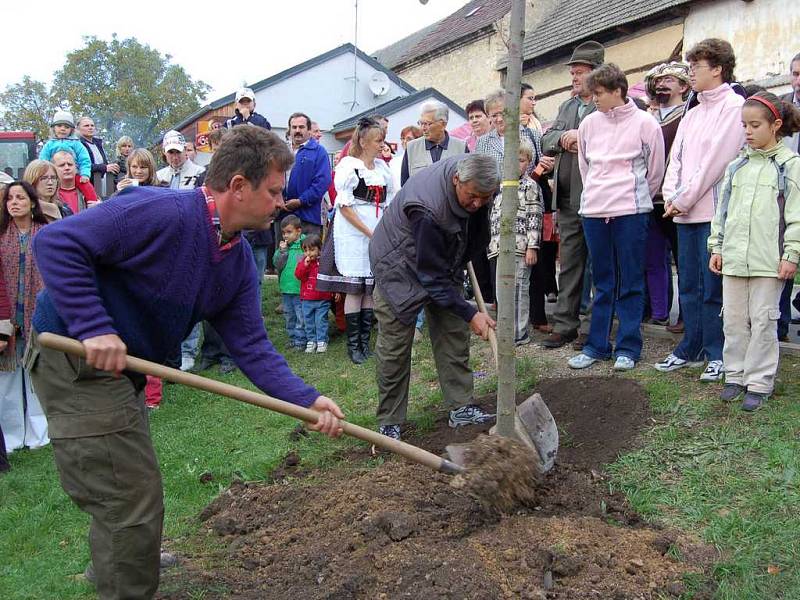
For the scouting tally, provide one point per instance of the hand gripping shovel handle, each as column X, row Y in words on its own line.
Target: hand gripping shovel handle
column 476, row 289
column 418, row 455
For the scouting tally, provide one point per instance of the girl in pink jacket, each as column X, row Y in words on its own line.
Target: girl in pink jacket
column 621, row 158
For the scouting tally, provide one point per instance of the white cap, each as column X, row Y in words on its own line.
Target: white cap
column 245, row 92
column 63, row 117
column 173, row 140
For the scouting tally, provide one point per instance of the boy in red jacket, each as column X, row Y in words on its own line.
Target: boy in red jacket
column 315, row 304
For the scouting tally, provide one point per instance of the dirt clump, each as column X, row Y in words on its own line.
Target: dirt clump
column 392, row 529
column 500, row 474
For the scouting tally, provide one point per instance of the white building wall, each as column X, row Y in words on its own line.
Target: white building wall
column 765, row 34
column 324, row 93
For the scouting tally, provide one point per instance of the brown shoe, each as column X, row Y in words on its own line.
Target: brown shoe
column 579, row 343
column 544, row 328
column 677, row 328
column 556, row 340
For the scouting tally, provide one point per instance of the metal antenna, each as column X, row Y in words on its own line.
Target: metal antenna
column 355, row 63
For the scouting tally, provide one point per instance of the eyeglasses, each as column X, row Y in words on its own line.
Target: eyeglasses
column 48, row 178
column 694, row 67
column 425, row 123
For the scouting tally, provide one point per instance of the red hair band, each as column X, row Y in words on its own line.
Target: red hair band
column 768, row 104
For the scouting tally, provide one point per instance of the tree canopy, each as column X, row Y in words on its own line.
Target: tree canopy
column 127, row 88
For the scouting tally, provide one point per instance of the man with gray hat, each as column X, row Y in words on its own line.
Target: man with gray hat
column 245, row 111
column 418, row 252
column 561, row 141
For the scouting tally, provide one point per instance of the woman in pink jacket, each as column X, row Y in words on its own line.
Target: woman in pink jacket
column 708, row 138
column 621, row 158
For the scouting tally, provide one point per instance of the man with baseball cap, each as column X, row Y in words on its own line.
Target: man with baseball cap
column 561, row 141
column 246, row 111
column 180, row 172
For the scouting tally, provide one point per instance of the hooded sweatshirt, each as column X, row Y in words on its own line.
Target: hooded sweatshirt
column 746, row 227
column 621, row 158
column 709, row 137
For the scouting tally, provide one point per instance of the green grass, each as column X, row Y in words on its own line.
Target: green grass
column 733, row 479
column 730, row 476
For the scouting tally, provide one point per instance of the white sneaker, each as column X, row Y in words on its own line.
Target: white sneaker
column 581, row 361
column 322, row 347
column 624, row 363
column 311, row 347
column 673, row 363
column 715, row 371
column 187, row 363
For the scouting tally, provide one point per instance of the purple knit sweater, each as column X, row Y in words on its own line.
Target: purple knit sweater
column 146, row 266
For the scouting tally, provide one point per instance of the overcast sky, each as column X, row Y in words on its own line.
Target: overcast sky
column 222, row 46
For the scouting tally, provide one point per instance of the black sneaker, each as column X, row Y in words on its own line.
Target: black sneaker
column 392, row 431
column 731, row 392
column 753, row 401
column 472, row 414
column 227, row 367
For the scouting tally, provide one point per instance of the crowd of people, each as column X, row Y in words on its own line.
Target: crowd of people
column 701, row 172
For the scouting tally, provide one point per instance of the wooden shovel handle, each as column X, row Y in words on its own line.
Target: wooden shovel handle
column 413, row 453
column 476, row 289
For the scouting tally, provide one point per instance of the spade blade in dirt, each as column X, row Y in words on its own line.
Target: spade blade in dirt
column 541, row 427
column 457, row 453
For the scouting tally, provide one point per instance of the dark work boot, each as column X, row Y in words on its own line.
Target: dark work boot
column 366, row 329
column 353, row 321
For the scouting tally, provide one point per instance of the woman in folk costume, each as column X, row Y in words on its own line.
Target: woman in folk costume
column 21, row 218
column 364, row 187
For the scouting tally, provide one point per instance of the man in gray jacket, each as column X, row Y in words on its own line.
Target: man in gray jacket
column 419, row 250
column 561, row 141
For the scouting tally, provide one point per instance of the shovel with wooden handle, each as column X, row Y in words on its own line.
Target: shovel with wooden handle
column 534, row 424
column 412, row 453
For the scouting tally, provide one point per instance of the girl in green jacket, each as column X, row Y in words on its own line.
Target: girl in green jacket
column 755, row 246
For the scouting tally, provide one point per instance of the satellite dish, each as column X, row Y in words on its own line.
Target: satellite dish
column 379, row 83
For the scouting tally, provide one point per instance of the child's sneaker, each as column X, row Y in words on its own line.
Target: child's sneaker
column 715, row 371
column 673, row 363
column 753, row 401
column 311, row 347
column 731, row 392
column 322, row 347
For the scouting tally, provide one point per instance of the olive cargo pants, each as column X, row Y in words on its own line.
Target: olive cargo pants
column 450, row 340
column 106, row 462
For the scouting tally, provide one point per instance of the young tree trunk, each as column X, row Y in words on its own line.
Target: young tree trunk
column 506, row 368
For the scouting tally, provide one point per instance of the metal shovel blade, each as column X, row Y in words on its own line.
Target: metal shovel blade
column 541, row 427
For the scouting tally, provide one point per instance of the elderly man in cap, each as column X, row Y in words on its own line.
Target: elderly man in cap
column 419, row 250
column 668, row 87
column 180, row 172
column 245, row 111
column 561, row 141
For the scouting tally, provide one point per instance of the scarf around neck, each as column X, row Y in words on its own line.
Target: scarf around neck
column 9, row 253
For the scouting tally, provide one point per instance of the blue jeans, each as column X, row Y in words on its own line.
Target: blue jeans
column 315, row 317
column 260, row 254
column 420, row 320
column 700, row 293
column 617, row 248
column 189, row 346
column 293, row 313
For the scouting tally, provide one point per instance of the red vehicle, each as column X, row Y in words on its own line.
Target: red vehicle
column 17, row 149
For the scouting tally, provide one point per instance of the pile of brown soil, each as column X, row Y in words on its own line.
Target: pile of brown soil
column 401, row 531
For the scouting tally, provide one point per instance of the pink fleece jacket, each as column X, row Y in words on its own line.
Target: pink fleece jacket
column 709, row 137
column 621, row 157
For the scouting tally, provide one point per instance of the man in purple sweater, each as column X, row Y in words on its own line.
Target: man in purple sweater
column 134, row 275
